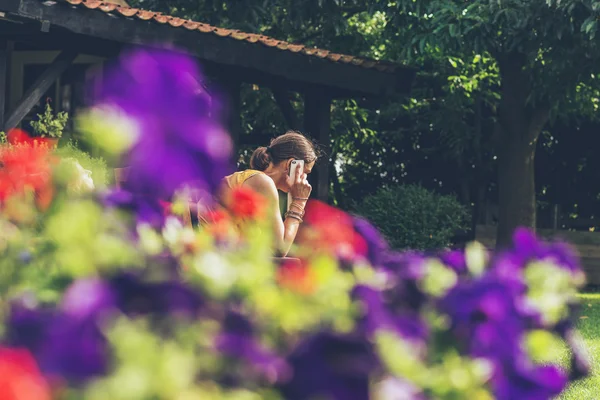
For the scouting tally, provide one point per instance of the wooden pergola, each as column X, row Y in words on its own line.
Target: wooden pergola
column 57, row 36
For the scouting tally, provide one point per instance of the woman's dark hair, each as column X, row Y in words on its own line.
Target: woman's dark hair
column 291, row 144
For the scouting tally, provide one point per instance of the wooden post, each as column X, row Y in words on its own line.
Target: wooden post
column 317, row 120
column 555, row 217
column 4, row 65
column 39, row 87
column 230, row 92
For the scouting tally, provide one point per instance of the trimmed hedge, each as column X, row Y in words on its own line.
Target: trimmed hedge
column 412, row 217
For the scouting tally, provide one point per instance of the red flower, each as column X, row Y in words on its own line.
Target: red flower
column 219, row 222
column 18, row 136
column 331, row 230
column 216, row 216
column 20, row 378
column 297, row 277
column 25, row 167
column 246, row 203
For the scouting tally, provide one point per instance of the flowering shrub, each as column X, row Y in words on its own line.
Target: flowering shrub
column 106, row 295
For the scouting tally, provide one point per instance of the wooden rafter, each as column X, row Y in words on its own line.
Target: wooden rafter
column 39, row 87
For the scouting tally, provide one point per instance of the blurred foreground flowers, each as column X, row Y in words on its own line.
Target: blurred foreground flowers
column 108, row 294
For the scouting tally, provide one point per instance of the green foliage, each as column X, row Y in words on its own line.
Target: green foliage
column 412, row 217
column 96, row 165
column 49, row 125
column 564, row 32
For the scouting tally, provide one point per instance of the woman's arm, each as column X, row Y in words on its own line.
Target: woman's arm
column 284, row 231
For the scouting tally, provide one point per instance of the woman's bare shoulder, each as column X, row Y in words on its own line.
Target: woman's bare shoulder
column 262, row 184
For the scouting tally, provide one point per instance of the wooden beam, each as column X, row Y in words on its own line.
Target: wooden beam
column 226, row 51
column 4, row 61
column 39, row 87
column 287, row 109
column 317, row 121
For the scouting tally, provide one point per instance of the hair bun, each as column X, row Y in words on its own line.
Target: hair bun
column 261, row 158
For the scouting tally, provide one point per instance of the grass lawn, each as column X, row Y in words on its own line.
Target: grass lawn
column 589, row 327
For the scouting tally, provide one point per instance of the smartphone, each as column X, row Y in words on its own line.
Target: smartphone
column 295, row 164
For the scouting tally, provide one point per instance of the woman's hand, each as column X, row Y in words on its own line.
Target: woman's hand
column 299, row 187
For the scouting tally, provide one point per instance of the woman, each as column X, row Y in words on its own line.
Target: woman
column 269, row 172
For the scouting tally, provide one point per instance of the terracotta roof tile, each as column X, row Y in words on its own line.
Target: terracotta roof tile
column 191, row 25
column 175, row 22
column 321, row 53
column 205, row 28
column 295, row 48
column 127, row 12
column 92, row 4
column 162, row 19
column 222, row 31
column 110, row 7
column 146, row 15
column 252, row 38
column 240, row 35
column 269, row 41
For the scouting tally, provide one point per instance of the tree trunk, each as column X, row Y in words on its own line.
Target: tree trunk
column 518, row 128
column 516, row 186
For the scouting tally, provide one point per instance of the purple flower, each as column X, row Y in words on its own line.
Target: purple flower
column 260, row 359
column 485, row 316
column 377, row 246
column 179, row 142
column 456, row 260
column 166, row 298
column 64, row 345
column 25, row 326
column 74, row 349
column 404, row 270
column 382, row 314
column 405, row 265
column 526, row 248
column 238, row 341
column 522, row 380
column 331, row 366
column 88, row 298
column 487, row 319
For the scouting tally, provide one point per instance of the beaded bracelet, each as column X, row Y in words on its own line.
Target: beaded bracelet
column 300, row 198
column 292, row 212
column 295, row 215
column 299, row 207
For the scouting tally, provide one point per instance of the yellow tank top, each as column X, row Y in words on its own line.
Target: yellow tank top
column 237, row 179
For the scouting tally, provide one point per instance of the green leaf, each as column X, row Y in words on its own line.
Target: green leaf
column 453, row 30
